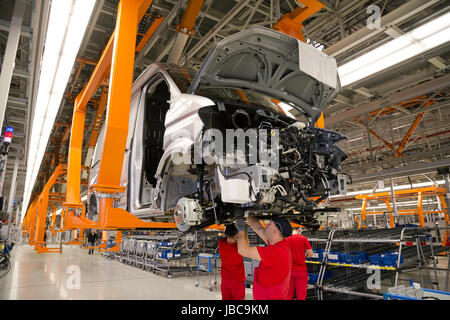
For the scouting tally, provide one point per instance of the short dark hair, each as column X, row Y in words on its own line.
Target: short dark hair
column 231, row 230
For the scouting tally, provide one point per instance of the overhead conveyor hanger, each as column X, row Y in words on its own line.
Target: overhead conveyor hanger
column 117, row 61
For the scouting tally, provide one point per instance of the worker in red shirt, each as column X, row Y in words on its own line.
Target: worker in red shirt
column 272, row 277
column 300, row 248
column 232, row 270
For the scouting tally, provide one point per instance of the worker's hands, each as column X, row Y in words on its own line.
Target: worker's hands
column 240, row 224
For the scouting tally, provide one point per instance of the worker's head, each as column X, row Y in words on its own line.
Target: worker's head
column 277, row 229
column 231, row 233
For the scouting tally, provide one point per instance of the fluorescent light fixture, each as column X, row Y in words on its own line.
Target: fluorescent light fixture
column 66, row 27
column 402, row 187
column 408, row 45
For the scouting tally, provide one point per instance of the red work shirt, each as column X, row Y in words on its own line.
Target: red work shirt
column 298, row 245
column 232, row 262
column 275, row 263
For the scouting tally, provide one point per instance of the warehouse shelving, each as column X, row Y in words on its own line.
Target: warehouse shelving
column 350, row 279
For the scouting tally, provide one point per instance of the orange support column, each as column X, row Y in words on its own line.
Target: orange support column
column 391, row 217
column 43, row 208
column 119, row 94
column 363, row 214
column 32, row 221
column 291, row 23
column 444, row 208
column 114, row 141
column 419, row 210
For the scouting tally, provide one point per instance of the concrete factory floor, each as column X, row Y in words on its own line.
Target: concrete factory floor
column 51, row 276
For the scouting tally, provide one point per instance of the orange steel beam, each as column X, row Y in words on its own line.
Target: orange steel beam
column 149, row 33
column 291, row 23
column 446, row 217
column 219, row 227
column 73, row 198
column 119, row 96
column 390, row 146
column 119, row 54
column 86, row 61
column 190, row 15
column 53, row 220
column 391, row 217
column 80, row 66
column 99, row 117
column 409, row 133
column 32, row 223
column 415, row 191
column 419, row 210
column 143, row 6
column 405, row 104
column 43, row 208
column 363, row 214
column 406, row 212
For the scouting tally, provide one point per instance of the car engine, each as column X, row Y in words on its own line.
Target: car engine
column 230, row 185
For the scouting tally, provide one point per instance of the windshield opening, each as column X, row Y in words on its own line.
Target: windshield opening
column 231, row 95
column 182, row 77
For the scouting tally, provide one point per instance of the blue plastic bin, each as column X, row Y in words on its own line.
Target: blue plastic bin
column 317, row 254
column 375, row 259
column 313, row 277
column 354, row 257
column 389, row 259
column 333, row 256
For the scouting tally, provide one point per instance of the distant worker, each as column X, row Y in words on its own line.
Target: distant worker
column 92, row 239
column 272, row 277
column 232, row 270
column 300, row 248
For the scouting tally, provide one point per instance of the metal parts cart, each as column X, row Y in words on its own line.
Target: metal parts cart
column 205, row 263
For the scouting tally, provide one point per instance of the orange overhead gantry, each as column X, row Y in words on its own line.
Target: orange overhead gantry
column 292, row 22
column 117, row 61
column 418, row 193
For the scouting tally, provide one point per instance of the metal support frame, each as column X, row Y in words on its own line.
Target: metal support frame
column 419, row 192
column 12, row 193
column 10, row 55
column 291, row 23
column 149, row 33
column 185, row 29
column 222, row 23
column 119, row 54
column 394, row 98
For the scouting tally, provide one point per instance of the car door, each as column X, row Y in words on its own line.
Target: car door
column 147, row 141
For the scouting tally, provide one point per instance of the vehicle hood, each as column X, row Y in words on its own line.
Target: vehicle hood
column 274, row 64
